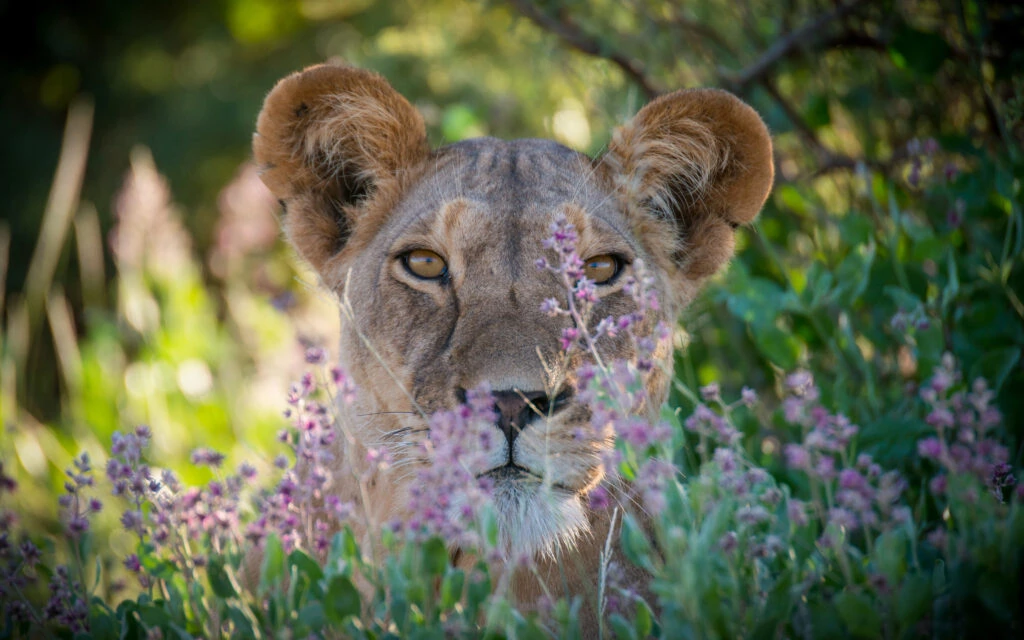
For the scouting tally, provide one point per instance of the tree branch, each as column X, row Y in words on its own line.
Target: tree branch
column 571, row 34
column 805, row 130
column 829, row 161
column 809, row 33
column 838, row 162
column 803, row 35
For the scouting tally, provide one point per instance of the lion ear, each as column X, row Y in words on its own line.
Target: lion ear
column 328, row 140
column 699, row 161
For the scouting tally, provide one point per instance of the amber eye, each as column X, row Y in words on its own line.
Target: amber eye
column 425, row 264
column 601, row 268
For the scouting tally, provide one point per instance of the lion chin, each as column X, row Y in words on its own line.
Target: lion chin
column 535, row 518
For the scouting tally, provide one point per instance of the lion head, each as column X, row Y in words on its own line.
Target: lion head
column 434, row 253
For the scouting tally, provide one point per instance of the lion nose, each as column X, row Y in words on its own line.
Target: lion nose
column 517, row 409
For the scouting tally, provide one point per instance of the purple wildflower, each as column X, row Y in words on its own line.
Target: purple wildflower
column 207, row 457
column 599, row 498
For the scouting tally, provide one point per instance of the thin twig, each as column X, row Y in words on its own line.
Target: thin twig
column 828, row 160
column 794, row 116
column 839, row 162
column 571, row 33
column 679, row 21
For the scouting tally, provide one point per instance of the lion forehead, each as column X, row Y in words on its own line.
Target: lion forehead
column 505, row 179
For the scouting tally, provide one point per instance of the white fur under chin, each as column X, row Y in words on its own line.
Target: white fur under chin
column 537, row 520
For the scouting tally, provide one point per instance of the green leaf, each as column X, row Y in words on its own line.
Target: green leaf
column 792, row 198
column 272, row 567
column 930, row 347
column 889, row 555
column 307, row 567
column 856, row 228
column 999, row 601
column 343, row 555
column 904, row 299
column 758, row 301
column 621, row 627
column 156, row 567
column 817, row 114
column 395, row 578
column 823, row 619
column 312, row 616
column 435, row 557
column 952, row 288
column 451, row 588
column 859, row 613
column 913, row 600
column 777, row 608
column 459, row 122
column 97, row 572
column 416, row 592
column 854, row 273
column 643, row 623
column 175, row 602
column 893, row 439
column 242, row 623
column 530, row 630
column 635, row 545
column 342, row 600
column 478, row 590
column 102, row 624
column 918, row 51
column 567, row 614
column 126, row 619
column 197, row 594
column 153, row 616
column 220, row 581
column 819, row 286
column 777, row 346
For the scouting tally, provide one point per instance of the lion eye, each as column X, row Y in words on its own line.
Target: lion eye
column 601, row 268
column 425, row 264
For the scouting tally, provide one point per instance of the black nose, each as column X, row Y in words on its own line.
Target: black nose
column 517, row 409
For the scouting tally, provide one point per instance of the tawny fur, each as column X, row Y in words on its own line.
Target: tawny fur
column 348, row 157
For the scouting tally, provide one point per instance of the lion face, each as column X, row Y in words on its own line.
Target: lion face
column 435, row 253
column 468, row 314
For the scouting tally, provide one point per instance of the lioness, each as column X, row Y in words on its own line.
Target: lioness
column 435, row 251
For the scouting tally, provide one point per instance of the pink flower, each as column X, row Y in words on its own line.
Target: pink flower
column 599, row 498
column 797, row 457
column 728, row 542
column 929, row 448
column 550, row 307
column 710, row 392
column 850, row 479
column 796, row 511
column 569, row 336
column 940, row 419
column 748, row 397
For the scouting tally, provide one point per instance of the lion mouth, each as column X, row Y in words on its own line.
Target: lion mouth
column 510, row 471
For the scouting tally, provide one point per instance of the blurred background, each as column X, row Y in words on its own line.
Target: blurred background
column 144, row 279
